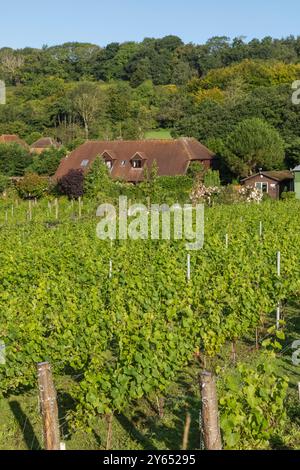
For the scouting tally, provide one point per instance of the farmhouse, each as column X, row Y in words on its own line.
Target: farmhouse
column 127, row 160
column 12, row 139
column 272, row 183
column 43, row 144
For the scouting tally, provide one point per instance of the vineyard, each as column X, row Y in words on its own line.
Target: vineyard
column 123, row 325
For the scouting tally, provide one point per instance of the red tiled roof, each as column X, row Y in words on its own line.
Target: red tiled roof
column 44, row 142
column 172, row 156
column 12, row 139
column 273, row 175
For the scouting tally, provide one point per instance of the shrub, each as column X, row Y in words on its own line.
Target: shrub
column 4, row 183
column 98, row 180
column 288, row 195
column 71, row 184
column 32, row 186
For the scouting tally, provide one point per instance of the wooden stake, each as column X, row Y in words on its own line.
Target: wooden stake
column 186, row 432
column 260, row 229
column 79, row 207
column 110, row 269
column 233, row 351
column 226, row 240
column 256, row 339
column 210, row 415
column 30, row 209
column 56, row 209
column 160, row 406
column 47, row 395
column 109, row 432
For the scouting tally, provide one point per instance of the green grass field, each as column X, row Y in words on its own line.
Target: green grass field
column 158, row 134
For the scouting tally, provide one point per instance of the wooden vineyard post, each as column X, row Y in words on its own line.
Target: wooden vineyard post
column 210, row 414
column 79, row 207
column 260, row 229
column 226, row 240
column 109, row 431
column 56, row 209
column 47, row 395
column 186, row 432
column 30, row 209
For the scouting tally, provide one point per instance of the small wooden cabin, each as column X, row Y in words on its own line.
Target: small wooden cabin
column 272, row 183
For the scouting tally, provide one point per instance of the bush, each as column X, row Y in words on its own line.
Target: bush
column 287, row 196
column 32, row 186
column 47, row 162
column 71, row 184
column 4, row 183
column 98, row 180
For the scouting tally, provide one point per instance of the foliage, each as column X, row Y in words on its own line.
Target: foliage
column 252, row 405
column 253, row 144
column 71, row 184
column 14, row 159
column 32, row 186
column 4, row 182
column 97, row 181
column 46, row 163
column 212, row 178
column 195, row 169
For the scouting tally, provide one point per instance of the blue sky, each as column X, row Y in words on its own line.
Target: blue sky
column 34, row 22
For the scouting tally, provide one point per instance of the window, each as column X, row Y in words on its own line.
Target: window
column 84, row 163
column 263, row 187
column 137, row 163
column 109, row 164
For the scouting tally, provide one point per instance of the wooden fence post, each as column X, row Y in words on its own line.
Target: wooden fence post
column 47, row 395
column 210, row 414
column 186, row 432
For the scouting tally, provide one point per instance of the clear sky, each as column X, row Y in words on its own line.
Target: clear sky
column 35, row 22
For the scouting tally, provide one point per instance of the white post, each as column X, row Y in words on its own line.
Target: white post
column 260, row 229
column 110, row 268
column 12, row 210
column 299, row 390
column 226, row 240
column 188, row 274
column 278, row 305
column 278, row 264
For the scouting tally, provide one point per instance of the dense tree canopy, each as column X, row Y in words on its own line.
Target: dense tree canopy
column 76, row 91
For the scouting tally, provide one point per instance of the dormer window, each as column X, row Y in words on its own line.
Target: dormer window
column 137, row 160
column 136, row 163
column 108, row 159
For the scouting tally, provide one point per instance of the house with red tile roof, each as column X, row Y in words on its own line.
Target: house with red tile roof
column 12, row 139
column 127, row 160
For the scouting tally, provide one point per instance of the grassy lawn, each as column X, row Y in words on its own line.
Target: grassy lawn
column 158, row 134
